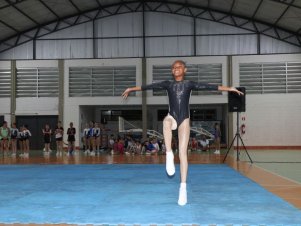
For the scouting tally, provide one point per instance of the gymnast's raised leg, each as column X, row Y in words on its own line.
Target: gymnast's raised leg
column 169, row 124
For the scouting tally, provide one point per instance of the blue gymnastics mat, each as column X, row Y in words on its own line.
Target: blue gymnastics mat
column 136, row 194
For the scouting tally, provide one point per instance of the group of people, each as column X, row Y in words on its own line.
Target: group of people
column 203, row 144
column 91, row 138
column 129, row 145
column 59, row 134
column 11, row 137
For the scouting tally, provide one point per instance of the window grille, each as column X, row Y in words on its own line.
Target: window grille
column 100, row 81
column 37, row 82
column 278, row 77
column 5, row 82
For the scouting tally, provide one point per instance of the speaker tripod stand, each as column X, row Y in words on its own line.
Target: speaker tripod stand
column 237, row 137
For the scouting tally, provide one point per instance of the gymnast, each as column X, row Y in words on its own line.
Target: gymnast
column 178, row 91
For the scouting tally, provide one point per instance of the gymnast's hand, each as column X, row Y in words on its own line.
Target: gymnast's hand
column 233, row 89
column 128, row 90
column 126, row 93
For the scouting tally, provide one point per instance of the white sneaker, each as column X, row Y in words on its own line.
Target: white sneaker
column 182, row 197
column 92, row 153
column 217, row 152
column 170, row 165
column 13, row 155
column 21, row 155
column 26, row 155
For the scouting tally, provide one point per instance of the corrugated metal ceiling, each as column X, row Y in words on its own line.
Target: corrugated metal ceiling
column 20, row 16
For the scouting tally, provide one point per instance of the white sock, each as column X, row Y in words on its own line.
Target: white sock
column 182, row 195
column 170, row 165
column 183, row 185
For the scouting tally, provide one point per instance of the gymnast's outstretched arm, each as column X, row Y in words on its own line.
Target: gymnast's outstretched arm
column 230, row 89
column 155, row 85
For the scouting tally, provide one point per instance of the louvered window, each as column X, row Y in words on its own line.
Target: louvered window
column 261, row 78
column 100, row 81
column 37, row 82
column 205, row 73
column 5, row 82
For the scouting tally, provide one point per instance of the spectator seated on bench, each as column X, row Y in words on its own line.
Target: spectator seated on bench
column 204, row 143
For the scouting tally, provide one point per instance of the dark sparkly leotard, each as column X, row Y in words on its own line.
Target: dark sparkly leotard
column 179, row 95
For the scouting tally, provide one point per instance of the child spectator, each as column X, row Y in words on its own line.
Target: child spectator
column 217, row 138
column 204, row 143
column 25, row 135
column 71, row 138
column 14, row 132
column 47, row 138
column 86, row 138
column 59, row 133
column 4, row 137
column 194, row 144
column 96, row 135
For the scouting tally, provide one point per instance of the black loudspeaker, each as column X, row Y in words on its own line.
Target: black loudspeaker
column 237, row 103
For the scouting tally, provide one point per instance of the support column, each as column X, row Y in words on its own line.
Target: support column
column 144, row 102
column 13, row 94
column 230, row 130
column 61, row 64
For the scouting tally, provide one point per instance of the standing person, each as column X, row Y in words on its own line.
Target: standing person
column 26, row 134
column 59, row 133
column 91, row 138
column 86, row 139
column 4, row 137
column 20, row 140
column 111, row 142
column 194, row 144
column 47, row 138
column 204, row 143
column 217, row 138
column 71, row 138
column 179, row 91
column 96, row 134
column 14, row 132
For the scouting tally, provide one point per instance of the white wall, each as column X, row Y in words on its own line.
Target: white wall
column 271, row 119
column 24, row 51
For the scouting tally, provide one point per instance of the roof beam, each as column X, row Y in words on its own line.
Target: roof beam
column 256, row 10
column 232, row 6
column 14, row 29
column 154, row 6
column 75, row 6
column 284, row 12
column 49, row 9
column 11, row 3
column 23, row 13
column 286, row 3
column 9, row 26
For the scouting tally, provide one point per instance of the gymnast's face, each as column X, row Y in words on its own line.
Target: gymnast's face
column 178, row 70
